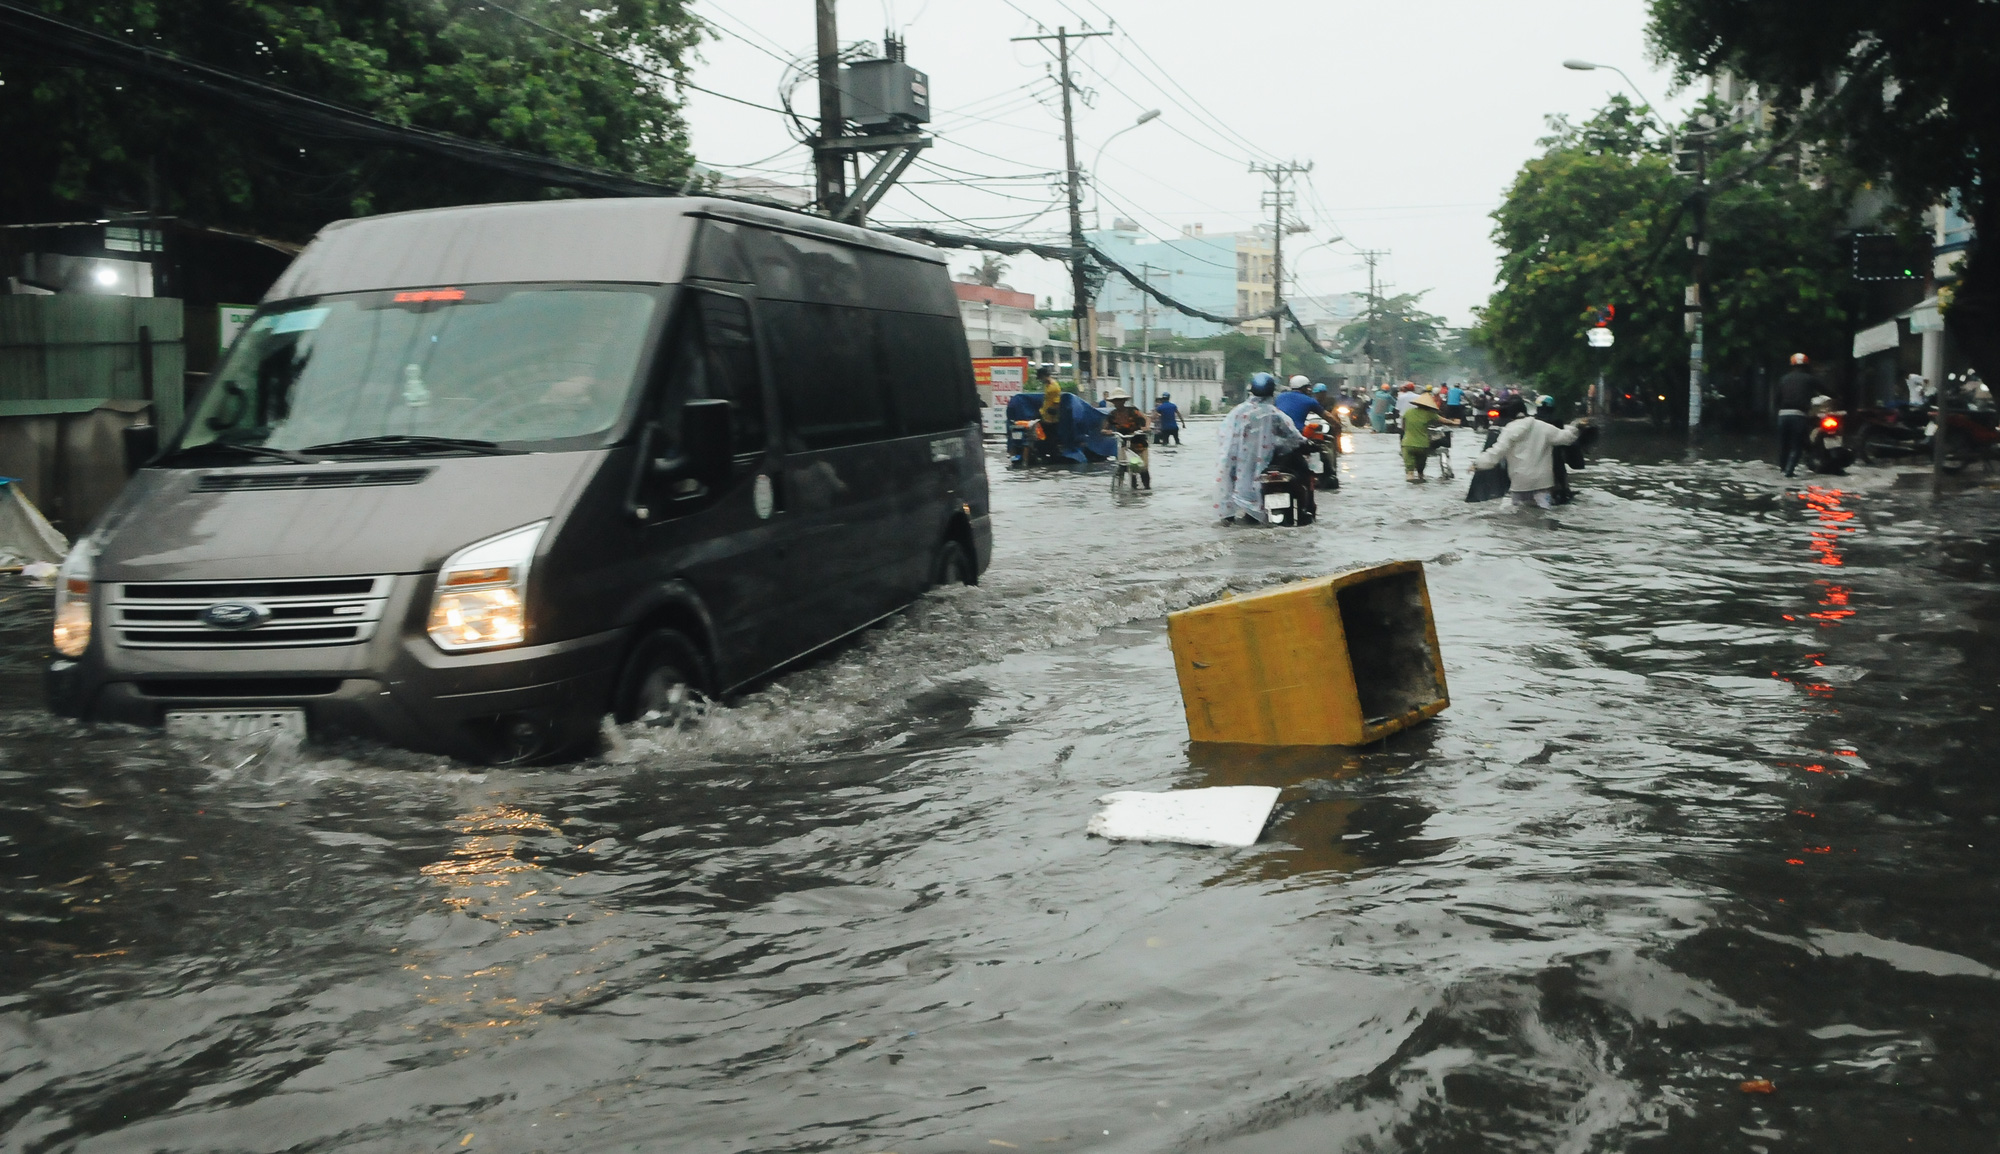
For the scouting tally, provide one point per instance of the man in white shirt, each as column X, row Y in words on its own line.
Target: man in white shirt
column 1918, row 386
column 1528, row 448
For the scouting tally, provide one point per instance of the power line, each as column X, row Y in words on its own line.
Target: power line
column 634, row 65
column 785, row 60
column 1200, row 112
column 1020, row 221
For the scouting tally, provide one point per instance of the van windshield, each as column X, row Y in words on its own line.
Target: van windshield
column 415, row 370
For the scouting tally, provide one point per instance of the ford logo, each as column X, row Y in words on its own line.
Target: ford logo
column 234, row 615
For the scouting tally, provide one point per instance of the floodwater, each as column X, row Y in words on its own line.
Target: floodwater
column 1713, row 803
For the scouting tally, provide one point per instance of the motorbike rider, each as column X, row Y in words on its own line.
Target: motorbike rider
column 1298, row 402
column 1796, row 390
column 1253, row 436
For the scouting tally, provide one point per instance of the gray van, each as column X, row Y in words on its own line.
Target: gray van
column 473, row 478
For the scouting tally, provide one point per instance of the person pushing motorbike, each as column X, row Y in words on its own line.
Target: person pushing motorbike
column 1128, row 424
column 1796, row 390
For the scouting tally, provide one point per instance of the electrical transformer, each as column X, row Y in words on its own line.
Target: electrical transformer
column 881, row 96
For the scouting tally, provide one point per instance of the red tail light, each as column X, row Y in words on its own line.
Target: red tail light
column 1829, row 423
column 1492, row 413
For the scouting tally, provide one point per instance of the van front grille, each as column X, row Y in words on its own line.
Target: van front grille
column 260, row 614
column 259, row 687
column 350, row 479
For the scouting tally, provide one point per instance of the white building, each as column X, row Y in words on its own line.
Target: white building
column 1000, row 322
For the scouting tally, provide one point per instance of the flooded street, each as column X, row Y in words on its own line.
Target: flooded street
column 1712, row 803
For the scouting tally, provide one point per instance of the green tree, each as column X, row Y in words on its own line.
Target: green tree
column 83, row 140
column 1242, row 355
column 1906, row 90
column 1596, row 220
column 1407, row 342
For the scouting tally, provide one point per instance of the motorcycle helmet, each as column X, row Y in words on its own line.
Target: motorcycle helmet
column 1319, row 390
column 1263, row 385
column 1299, row 382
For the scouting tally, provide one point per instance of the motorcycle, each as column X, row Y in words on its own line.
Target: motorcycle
column 1877, row 435
column 1826, row 447
column 1969, row 435
column 1321, row 447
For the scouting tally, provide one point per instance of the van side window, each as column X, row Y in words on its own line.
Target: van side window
column 715, row 254
column 712, row 355
column 906, row 285
column 929, row 371
column 824, row 359
column 801, row 268
column 732, row 366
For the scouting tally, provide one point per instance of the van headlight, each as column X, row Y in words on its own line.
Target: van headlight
column 482, row 592
column 72, row 632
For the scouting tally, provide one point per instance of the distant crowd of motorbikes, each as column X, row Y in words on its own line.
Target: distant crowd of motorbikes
column 1968, row 423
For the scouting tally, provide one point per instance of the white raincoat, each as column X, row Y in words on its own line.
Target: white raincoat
column 1528, row 448
column 1251, row 437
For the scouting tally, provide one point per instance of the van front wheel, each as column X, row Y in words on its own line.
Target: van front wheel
column 663, row 681
column 953, row 566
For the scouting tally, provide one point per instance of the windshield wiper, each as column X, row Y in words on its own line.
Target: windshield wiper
column 401, row 444
column 242, row 450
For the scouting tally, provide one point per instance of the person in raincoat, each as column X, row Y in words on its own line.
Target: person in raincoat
column 1378, row 408
column 1528, row 448
column 1254, row 433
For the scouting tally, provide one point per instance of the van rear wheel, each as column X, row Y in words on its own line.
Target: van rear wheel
column 953, row 566
column 664, row 682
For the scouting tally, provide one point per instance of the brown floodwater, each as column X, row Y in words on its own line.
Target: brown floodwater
column 1713, row 803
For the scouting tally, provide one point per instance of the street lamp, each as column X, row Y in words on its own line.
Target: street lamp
column 1097, row 211
column 1652, row 110
column 1151, row 114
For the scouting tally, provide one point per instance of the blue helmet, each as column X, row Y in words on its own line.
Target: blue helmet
column 1263, row 385
column 1318, row 389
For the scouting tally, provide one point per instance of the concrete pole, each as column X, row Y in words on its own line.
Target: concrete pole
column 829, row 165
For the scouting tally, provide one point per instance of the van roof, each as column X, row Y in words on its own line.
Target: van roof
column 640, row 240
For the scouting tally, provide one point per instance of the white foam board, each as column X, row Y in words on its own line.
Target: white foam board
column 1224, row 815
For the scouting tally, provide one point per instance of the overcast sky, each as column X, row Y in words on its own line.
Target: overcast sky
column 1415, row 114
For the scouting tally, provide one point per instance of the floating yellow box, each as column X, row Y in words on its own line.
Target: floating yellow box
column 1341, row 660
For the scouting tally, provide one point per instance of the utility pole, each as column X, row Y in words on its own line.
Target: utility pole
column 1146, row 313
column 1080, row 312
column 1697, row 292
column 1277, row 200
column 830, row 191
column 1368, row 341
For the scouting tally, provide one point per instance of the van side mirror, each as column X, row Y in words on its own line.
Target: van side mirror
column 142, row 444
column 705, row 457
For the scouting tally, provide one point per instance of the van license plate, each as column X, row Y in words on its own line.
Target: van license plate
column 232, row 724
